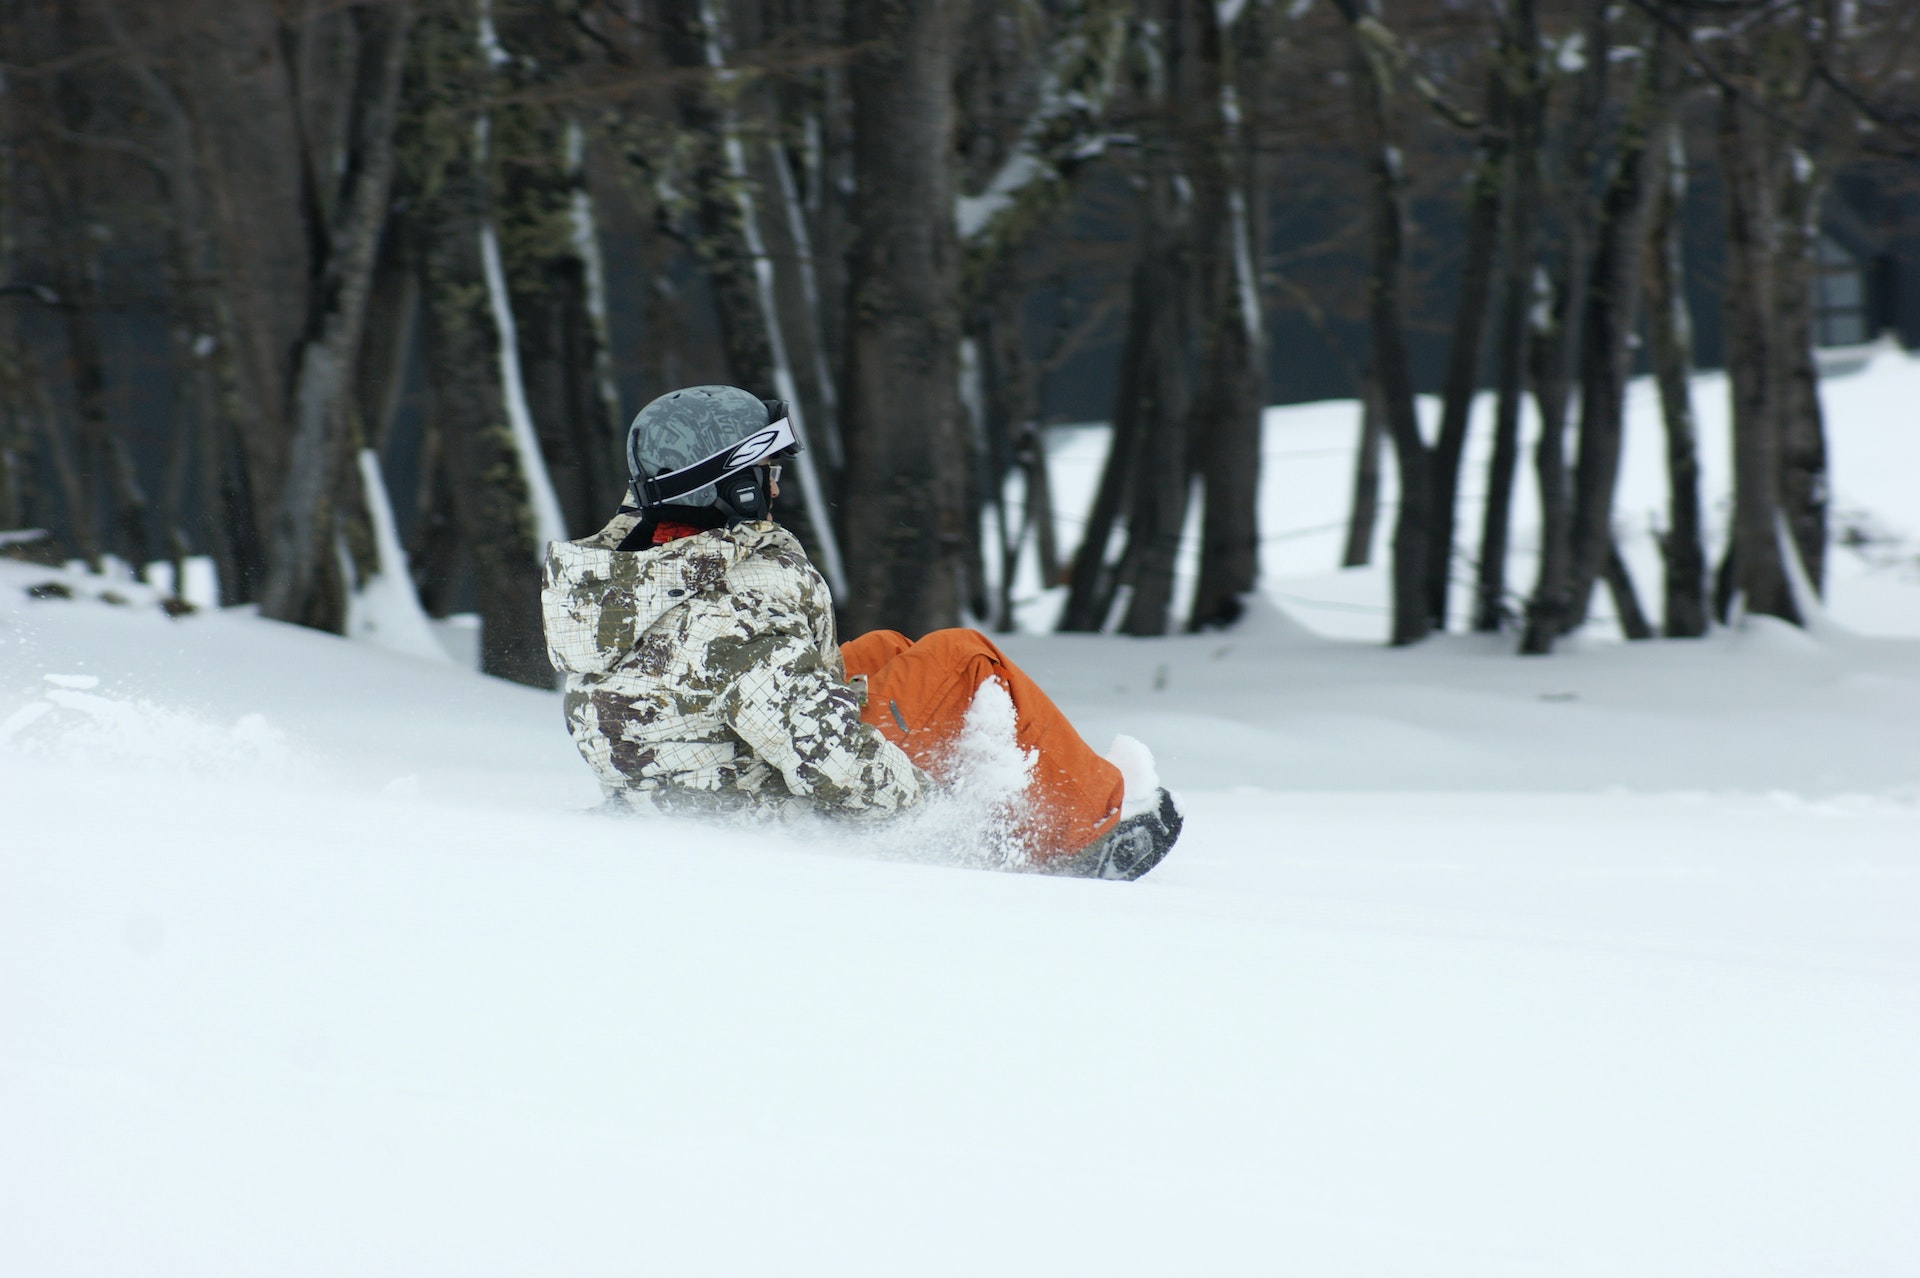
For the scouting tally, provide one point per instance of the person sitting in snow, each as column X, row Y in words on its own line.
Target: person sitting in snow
column 703, row 673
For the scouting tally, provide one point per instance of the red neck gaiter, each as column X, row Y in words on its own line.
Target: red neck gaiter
column 667, row 530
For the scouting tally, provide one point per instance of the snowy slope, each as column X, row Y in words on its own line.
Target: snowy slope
column 313, row 960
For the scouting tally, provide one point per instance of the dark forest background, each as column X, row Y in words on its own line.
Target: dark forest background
column 269, row 268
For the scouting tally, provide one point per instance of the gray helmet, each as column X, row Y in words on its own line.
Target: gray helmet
column 683, row 443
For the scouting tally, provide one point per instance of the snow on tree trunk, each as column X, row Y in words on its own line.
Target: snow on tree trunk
column 383, row 608
column 784, row 385
column 481, row 462
column 1022, row 183
column 827, row 429
column 548, row 523
column 1803, row 436
column 1066, row 128
column 734, row 251
column 323, row 405
column 584, row 224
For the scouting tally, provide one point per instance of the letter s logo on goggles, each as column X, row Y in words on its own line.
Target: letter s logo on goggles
column 776, row 439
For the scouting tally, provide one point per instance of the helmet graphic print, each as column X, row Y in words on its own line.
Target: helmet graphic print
column 682, row 447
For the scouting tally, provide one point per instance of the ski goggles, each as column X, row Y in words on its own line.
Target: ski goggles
column 775, row 440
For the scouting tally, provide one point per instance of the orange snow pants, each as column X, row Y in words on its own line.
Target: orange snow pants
column 918, row 694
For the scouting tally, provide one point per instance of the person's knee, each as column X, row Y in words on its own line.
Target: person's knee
column 960, row 644
column 889, row 641
column 872, row 650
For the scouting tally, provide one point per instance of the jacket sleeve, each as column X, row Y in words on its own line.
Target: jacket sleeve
column 805, row 721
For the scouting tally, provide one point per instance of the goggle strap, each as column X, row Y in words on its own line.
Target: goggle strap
column 757, row 447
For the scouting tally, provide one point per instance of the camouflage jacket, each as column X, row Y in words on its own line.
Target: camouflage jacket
column 703, row 675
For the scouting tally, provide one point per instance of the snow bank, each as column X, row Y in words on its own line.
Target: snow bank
column 315, row 959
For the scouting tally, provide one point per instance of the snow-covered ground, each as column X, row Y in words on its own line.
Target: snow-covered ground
column 1872, row 405
column 314, row 961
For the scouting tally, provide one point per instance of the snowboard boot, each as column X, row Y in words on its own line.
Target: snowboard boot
column 1130, row 848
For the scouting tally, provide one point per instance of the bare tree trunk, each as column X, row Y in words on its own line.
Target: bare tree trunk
column 1032, row 456
column 491, row 505
column 1670, row 347
column 1162, row 472
column 207, row 343
column 1756, row 571
column 323, row 408
column 732, row 245
column 87, row 376
column 1364, row 510
column 1153, row 445
column 1556, row 347
column 26, row 412
column 1061, row 71
column 1386, row 306
column 230, row 66
column 16, row 450
column 1612, row 306
column 73, row 178
column 434, row 552
column 115, row 512
column 392, row 326
column 1004, row 403
column 190, row 405
column 556, row 350
column 583, row 211
column 551, row 257
column 721, row 246
column 1520, row 58
column 906, row 472
column 487, row 478
column 1547, row 607
column 12, row 498
column 1633, row 618
column 548, row 286
column 1469, row 328
column 986, row 453
column 1227, row 425
column 36, row 402
column 816, row 370
column 1803, row 439
column 1094, row 580
column 15, row 455
column 1145, row 486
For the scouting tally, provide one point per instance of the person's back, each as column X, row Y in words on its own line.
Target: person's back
column 703, row 673
column 702, row 670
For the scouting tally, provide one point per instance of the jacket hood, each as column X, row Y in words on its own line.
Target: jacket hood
column 597, row 600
